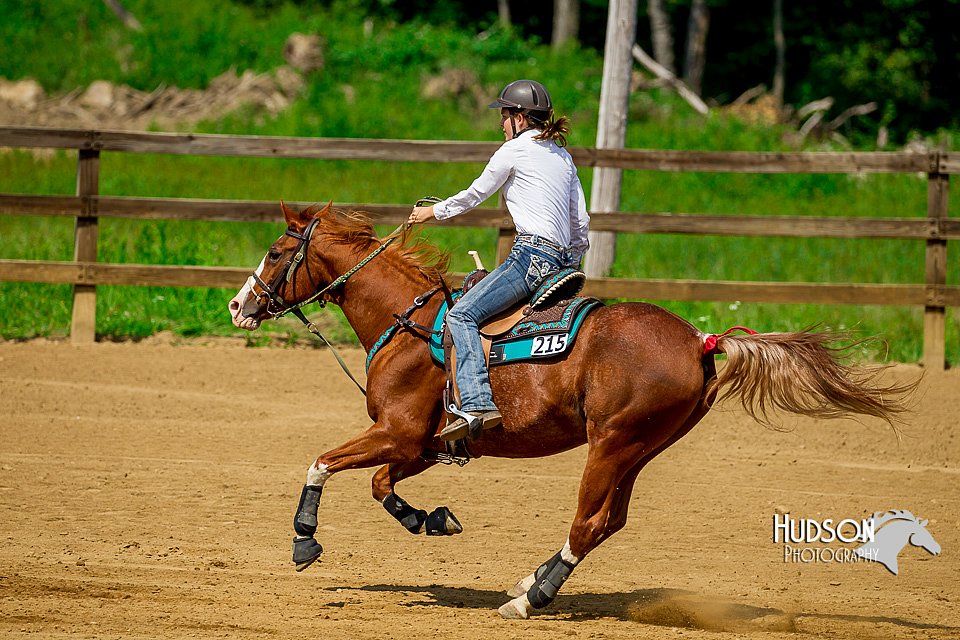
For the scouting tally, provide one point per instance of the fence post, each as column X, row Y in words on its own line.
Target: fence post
column 934, row 313
column 84, row 322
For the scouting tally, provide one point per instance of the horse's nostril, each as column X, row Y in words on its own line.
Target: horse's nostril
column 251, row 308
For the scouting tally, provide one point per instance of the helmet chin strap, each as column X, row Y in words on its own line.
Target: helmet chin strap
column 513, row 129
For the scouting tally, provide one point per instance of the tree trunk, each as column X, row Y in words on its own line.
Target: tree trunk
column 503, row 10
column 696, row 57
column 611, row 127
column 661, row 34
column 779, row 43
column 566, row 22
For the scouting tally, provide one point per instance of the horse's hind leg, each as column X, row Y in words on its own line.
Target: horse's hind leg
column 441, row 522
column 613, row 463
column 608, row 472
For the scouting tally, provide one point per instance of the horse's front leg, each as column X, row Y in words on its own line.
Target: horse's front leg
column 440, row 522
column 378, row 445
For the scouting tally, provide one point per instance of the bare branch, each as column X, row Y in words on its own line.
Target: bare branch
column 749, row 95
column 658, row 70
column 822, row 104
column 128, row 19
column 858, row 110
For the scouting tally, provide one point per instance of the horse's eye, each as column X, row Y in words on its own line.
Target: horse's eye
column 274, row 255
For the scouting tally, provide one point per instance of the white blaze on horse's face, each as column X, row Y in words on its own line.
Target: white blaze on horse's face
column 236, row 303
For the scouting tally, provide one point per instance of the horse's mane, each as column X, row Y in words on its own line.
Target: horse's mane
column 881, row 518
column 355, row 228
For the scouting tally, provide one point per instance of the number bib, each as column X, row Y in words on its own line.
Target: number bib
column 549, row 345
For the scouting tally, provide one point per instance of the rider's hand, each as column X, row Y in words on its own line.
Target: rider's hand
column 420, row 214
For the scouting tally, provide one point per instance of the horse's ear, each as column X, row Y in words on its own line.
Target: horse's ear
column 325, row 210
column 289, row 214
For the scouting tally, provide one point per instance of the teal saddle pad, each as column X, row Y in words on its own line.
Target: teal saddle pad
column 539, row 334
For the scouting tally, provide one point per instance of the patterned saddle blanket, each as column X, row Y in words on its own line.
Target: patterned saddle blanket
column 544, row 328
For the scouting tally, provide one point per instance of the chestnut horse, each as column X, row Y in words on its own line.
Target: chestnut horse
column 637, row 379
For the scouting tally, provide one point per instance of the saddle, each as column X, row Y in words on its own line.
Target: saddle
column 542, row 328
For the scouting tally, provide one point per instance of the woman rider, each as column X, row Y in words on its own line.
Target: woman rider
column 545, row 200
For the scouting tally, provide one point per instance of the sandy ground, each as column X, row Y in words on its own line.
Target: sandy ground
column 147, row 490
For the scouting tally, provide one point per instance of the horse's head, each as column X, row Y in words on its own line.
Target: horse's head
column 284, row 276
column 894, row 529
column 922, row 538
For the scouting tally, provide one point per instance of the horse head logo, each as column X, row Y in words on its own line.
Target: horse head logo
column 892, row 531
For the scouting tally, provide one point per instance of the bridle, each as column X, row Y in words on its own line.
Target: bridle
column 277, row 307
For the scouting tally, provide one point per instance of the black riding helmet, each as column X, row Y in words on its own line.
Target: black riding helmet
column 526, row 96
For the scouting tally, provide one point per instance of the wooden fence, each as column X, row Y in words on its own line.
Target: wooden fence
column 87, row 207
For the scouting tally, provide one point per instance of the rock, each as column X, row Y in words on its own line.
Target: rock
column 99, row 95
column 304, row 52
column 461, row 84
column 289, row 81
column 25, row 94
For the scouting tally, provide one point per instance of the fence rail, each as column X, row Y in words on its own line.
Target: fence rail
column 85, row 273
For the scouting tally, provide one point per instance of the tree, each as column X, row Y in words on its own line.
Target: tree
column 779, row 43
column 566, row 22
column 661, row 34
column 696, row 58
column 612, row 127
column 503, row 13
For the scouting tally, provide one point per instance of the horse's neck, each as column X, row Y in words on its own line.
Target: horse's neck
column 893, row 537
column 385, row 286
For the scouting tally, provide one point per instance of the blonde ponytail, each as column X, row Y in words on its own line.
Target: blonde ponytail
column 555, row 129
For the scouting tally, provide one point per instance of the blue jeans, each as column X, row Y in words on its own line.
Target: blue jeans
column 530, row 261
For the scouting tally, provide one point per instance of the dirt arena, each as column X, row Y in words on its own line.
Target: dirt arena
column 147, row 490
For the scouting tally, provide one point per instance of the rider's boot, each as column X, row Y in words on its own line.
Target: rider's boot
column 479, row 422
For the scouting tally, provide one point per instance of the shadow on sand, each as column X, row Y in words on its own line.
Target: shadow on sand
column 663, row 607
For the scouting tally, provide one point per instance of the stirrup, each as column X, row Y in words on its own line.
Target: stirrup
column 470, row 424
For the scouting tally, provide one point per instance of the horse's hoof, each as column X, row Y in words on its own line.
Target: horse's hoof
column 442, row 522
column 306, row 551
column 516, row 609
column 522, row 587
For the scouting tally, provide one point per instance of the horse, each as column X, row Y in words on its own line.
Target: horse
column 892, row 531
column 637, row 379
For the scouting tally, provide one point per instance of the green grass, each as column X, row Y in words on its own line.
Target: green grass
column 370, row 87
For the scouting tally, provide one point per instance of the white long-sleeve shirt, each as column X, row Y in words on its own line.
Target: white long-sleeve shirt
column 541, row 188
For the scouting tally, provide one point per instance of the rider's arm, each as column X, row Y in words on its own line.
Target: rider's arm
column 494, row 175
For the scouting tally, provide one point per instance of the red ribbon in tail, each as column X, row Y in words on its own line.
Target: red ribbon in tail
column 710, row 344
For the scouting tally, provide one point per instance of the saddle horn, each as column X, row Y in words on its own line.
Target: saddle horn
column 476, row 259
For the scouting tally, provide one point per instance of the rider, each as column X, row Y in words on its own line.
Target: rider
column 545, row 199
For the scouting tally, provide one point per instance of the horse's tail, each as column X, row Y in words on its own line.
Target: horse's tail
column 802, row 373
